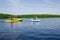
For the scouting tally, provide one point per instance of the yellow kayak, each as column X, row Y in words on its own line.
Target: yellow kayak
column 14, row 20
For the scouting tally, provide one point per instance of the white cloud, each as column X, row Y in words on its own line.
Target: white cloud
column 14, row 6
column 50, row 2
column 23, row 9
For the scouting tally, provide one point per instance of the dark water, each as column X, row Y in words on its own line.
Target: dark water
column 46, row 29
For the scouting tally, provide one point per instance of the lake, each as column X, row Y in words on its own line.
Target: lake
column 46, row 29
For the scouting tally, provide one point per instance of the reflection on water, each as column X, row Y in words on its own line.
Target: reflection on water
column 12, row 24
column 15, row 23
column 35, row 23
column 46, row 29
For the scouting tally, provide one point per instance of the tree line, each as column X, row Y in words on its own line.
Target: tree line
column 29, row 16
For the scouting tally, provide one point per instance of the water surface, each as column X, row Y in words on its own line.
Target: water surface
column 46, row 29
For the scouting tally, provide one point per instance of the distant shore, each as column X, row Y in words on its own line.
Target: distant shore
column 29, row 16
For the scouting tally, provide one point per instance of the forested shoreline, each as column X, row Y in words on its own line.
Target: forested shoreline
column 29, row 16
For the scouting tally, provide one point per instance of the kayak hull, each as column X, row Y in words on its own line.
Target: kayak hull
column 35, row 20
column 14, row 20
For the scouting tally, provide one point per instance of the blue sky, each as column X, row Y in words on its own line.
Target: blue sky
column 30, row 6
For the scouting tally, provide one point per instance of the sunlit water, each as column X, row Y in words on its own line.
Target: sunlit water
column 46, row 29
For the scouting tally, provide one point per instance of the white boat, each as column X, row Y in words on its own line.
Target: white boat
column 35, row 20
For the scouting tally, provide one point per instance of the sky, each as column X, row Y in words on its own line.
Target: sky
column 30, row 6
